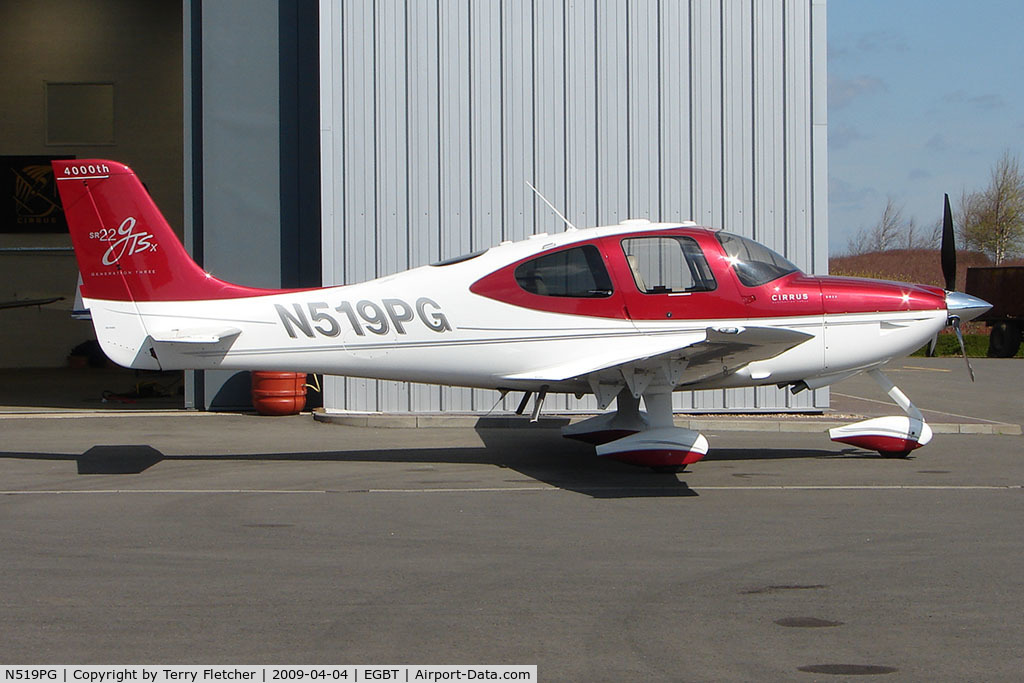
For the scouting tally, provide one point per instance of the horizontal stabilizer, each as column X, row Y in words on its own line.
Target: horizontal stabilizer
column 195, row 335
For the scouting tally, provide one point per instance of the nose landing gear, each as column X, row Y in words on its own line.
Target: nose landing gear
column 893, row 436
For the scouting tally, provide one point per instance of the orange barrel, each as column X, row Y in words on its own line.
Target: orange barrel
column 278, row 393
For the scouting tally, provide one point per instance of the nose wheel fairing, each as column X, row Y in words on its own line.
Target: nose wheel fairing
column 894, row 435
column 891, row 436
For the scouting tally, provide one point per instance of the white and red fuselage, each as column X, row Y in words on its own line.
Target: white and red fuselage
column 637, row 308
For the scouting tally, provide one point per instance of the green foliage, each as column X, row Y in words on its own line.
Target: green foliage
column 992, row 220
column 975, row 344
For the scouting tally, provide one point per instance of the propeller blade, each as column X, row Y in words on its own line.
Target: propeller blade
column 948, row 247
column 955, row 322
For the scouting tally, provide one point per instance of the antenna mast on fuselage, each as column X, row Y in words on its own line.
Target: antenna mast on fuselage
column 569, row 226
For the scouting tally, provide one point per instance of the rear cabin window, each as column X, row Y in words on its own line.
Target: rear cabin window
column 578, row 272
column 668, row 265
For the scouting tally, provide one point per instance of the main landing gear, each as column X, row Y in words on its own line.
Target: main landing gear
column 649, row 439
column 892, row 437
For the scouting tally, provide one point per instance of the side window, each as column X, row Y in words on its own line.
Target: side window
column 577, row 272
column 666, row 265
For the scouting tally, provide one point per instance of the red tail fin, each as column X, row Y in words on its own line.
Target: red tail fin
column 126, row 251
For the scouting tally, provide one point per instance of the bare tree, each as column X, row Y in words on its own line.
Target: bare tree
column 916, row 237
column 891, row 231
column 992, row 220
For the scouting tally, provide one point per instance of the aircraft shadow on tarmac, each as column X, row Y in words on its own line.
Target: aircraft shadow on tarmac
column 537, row 454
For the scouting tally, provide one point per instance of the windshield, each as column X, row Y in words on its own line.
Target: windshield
column 754, row 264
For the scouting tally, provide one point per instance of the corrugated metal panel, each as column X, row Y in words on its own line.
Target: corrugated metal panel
column 643, row 114
column 424, row 160
column 454, row 44
column 674, row 89
column 435, row 115
column 613, row 134
column 738, row 137
column 797, row 113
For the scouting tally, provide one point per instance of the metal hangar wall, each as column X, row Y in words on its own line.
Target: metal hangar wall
column 251, row 148
column 435, row 114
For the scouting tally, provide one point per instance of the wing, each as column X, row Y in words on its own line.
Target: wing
column 715, row 352
column 22, row 303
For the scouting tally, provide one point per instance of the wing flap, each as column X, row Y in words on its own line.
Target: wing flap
column 715, row 351
column 637, row 351
column 726, row 350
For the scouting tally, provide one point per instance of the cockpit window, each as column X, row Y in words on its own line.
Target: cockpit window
column 667, row 265
column 754, row 264
column 577, row 272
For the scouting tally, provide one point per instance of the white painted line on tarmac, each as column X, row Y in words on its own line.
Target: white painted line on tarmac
column 107, row 492
column 520, row 489
column 808, row 487
column 89, row 414
column 927, row 410
column 495, row 489
column 867, row 487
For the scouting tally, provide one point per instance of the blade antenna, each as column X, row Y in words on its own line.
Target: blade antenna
column 569, row 226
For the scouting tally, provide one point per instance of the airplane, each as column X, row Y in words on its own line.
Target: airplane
column 624, row 312
column 26, row 303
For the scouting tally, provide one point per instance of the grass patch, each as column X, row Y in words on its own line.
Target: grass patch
column 975, row 344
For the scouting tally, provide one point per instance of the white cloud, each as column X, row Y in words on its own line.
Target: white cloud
column 846, row 196
column 882, row 41
column 985, row 101
column 872, row 42
column 937, row 143
column 841, row 135
column 989, row 101
column 843, row 91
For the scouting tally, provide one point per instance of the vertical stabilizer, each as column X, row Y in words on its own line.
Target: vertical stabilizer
column 126, row 251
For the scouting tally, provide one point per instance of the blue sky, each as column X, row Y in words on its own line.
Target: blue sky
column 924, row 97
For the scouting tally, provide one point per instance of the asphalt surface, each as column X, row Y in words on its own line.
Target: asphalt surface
column 238, row 539
column 942, row 388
